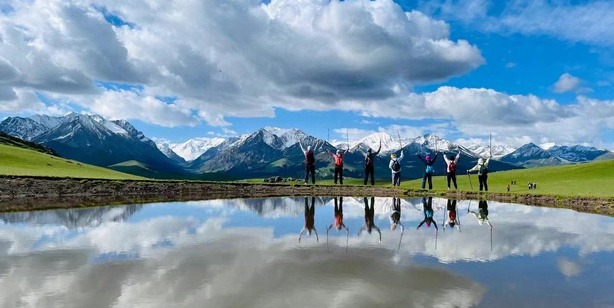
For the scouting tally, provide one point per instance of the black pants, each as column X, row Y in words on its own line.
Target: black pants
column 339, row 206
column 396, row 179
column 339, row 173
column 370, row 170
column 483, row 182
column 429, row 177
column 452, row 176
column 312, row 169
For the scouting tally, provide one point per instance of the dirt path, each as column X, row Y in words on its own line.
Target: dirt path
column 28, row 193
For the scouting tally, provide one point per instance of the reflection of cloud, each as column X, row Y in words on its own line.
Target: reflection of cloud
column 568, row 268
column 223, row 268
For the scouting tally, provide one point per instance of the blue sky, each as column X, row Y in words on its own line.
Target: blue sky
column 525, row 71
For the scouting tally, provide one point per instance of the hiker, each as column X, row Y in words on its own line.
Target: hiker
column 427, row 207
column 369, row 167
column 310, row 162
column 338, row 223
column 369, row 218
column 395, row 217
column 534, row 185
column 453, row 218
column 482, row 169
column 395, row 167
column 451, row 162
column 310, row 214
column 482, row 214
column 530, row 185
column 428, row 173
column 338, row 157
column 508, row 187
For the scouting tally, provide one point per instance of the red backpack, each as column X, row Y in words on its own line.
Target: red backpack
column 338, row 161
column 452, row 167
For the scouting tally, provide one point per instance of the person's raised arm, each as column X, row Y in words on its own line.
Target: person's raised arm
column 488, row 222
column 476, row 168
column 346, row 152
column 329, row 227
column 435, row 158
column 316, row 232
column 301, row 234
column 435, row 224
column 401, row 157
column 422, row 159
column 457, row 157
column 302, row 148
column 346, row 228
column 379, row 149
column 487, row 161
column 380, row 233
column 362, row 229
column 420, row 225
column 316, row 147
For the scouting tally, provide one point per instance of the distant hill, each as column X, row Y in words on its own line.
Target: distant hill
column 17, row 142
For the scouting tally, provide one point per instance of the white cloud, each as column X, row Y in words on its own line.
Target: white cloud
column 510, row 65
column 246, row 58
column 566, row 83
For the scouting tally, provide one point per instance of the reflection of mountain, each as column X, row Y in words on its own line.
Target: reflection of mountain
column 276, row 207
column 73, row 218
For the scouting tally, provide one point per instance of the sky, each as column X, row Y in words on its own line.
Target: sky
column 525, row 71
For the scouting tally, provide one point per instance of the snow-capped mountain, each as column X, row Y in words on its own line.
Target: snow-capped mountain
column 191, row 149
column 576, row 153
column 91, row 139
column 434, row 142
column 531, row 155
column 498, row 151
column 388, row 143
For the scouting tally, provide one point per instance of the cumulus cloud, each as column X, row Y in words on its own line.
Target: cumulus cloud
column 566, row 83
column 243, row 58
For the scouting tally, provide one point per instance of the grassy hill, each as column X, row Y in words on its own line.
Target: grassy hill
column 16, row 142
column 27, row 162
column 590, row 179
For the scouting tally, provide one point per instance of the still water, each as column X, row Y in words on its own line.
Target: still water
column 246, row 253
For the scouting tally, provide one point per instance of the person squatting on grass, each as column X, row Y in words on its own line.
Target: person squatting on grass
column 428, row 172
column 482, row 169
column 369, row 167
column 338, row 164
column 451, row 162
column 395, row 168
column 310, row 162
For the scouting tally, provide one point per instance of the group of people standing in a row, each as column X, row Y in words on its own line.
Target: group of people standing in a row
column 450, row 220
column 395, row 166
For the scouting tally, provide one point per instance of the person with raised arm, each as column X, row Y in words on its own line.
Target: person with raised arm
column 482, row 213
column 395, row 217
column 430, row 169
column 451, row 162
column 369, row 166
column 482, row 169
column 395, row 168
column 427, row 207
column 310, row 220
column 338, row 223
column 453, row 219
column 338, row 157
column 369, row 219
column 310, row 161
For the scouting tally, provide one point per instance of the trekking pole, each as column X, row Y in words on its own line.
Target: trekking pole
column 470, row 184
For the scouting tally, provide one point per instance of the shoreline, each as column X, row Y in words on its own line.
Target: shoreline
column 47, row 193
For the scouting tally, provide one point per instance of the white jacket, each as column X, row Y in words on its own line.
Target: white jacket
column 449, row 161
column 399, row 159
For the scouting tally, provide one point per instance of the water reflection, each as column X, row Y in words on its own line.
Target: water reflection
column 370, row 218
column 73, row 218
column 243, row 253
column 310, row 214
column 427, row 207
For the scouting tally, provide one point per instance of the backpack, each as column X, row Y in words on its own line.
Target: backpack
column 396, row 166
column 310, row 158
column 430, row 169
column 483, row 170
column 452, row 167
column 338, row 161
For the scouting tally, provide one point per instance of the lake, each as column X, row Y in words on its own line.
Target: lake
column 246, row 253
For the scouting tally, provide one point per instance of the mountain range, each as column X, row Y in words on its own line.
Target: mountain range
column 269, row 151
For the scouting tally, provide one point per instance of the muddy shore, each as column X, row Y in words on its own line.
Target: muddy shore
column 31, row 193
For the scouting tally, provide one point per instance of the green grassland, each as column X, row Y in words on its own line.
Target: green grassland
column 594, row 179
column 26, row 162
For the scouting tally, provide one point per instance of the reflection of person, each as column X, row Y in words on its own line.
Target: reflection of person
column 395, row 217
column 310, row 218
column 369, row 218
column 453, row 218
column 428, row 213
column 338, row 224
column 482, row 214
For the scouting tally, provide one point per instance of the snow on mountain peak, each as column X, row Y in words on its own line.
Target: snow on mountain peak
column 547, row 146
column 193, row 148
column 373, row 141
column 435, row 142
